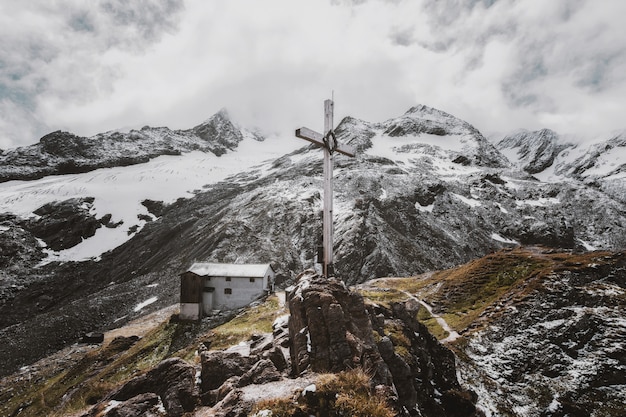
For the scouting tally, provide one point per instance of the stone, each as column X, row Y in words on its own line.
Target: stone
column 261, row 372
column 218, row 366
column 144, row 405
column 174, row 380
column 277, row 357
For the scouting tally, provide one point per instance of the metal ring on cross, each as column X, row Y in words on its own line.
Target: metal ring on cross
column 330, row 141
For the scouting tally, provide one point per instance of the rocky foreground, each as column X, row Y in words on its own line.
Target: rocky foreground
column 331, row 341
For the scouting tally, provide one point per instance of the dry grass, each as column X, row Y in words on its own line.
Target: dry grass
column 347, row 393
column 383, row 296
column 257, row 319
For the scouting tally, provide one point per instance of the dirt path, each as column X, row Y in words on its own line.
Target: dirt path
column 452, row 334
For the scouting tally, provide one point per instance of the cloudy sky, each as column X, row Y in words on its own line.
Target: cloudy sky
column 93, row 66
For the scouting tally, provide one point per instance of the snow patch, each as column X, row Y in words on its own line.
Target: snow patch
column 425, row 209
column 588, row 246
column 119, row 191
column 540, row 202
column 145, row 303
column 607, row 162
column 502, row 239
column 469, row 201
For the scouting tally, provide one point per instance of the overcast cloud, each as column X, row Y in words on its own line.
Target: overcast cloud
column 89, row 67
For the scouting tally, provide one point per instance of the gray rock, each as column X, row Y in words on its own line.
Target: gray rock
column 174, row 380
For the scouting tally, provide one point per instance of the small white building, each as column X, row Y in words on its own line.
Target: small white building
column 205, row 287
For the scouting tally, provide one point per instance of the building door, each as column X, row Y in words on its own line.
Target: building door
column 207, row 300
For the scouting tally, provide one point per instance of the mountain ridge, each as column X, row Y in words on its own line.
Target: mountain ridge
column 60, row 152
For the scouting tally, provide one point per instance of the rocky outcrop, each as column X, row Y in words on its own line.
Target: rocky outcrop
column 64, row 224
column 332, row 330
column 173, row 381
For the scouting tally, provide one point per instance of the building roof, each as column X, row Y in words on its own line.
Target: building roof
column 206, row 269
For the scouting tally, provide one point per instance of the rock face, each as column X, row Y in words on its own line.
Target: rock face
column 64, row 224
column 332, row 330
column 173, row 381
column 536, row 151
column 556, row 350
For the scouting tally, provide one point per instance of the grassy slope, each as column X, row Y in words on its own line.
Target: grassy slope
column 462, row 294
column 65, row 391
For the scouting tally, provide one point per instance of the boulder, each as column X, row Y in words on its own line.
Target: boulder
column 218, row 366
column 174, row 380
column 145, row 405
column 261, row 372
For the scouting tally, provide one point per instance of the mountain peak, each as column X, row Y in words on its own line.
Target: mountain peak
column 533, row 151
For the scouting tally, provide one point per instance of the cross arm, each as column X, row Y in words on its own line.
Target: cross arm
column 318, row 139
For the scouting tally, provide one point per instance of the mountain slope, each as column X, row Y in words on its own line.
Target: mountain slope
column 426, row 191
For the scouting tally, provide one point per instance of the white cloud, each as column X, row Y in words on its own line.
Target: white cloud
column 501, row 65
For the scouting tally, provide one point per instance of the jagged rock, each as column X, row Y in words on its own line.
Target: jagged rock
column 212, row 397
column 145, row 405
column 261, row 344
column 330, row 329
column 536, row 151
column 424, row 374
column 277, row 357
column 261, row 372
column 232, row 405
column 218, row 366
column 64, row 224
column 173, row 380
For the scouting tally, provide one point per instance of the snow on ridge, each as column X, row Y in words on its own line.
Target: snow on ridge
column 119, row 191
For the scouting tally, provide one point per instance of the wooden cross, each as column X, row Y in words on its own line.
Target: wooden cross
column 329, row 143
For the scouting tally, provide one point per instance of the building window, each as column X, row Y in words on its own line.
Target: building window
column 228, row 290
column 227, row 278
column 251, row 279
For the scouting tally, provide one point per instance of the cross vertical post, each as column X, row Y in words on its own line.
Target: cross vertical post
column 327, row 265
column 329, row 143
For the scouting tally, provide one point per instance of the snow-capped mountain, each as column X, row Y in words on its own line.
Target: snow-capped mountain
column 553, row 158
column 65, row 153
column 425, row 191
column 533, row 152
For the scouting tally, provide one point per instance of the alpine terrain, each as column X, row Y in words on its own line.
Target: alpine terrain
column 511, row 250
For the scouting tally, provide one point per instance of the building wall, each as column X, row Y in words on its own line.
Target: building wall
column 190, row 311
column 201, row 295
column 236, row 292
